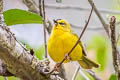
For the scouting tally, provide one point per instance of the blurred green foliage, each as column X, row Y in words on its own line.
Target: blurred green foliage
column 117, row 7
column 9, row 78
column 113, row 77
column 18, row 16
column 39, row 51
column 100, row 45
column 1, row 78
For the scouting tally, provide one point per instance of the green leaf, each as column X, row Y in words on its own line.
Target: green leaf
column 18, row 16
column 100, row 45
column 113, row 77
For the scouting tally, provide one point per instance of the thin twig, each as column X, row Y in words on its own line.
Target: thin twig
column 76, row 72
column 83, row 74
column 32, row 7
column 40, row 8
column 115, row 53
column 105, row 25
column 42, row 13
column 78, row 69
column 93, row 75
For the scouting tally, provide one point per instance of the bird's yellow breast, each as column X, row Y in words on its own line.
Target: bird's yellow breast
column 60, row 43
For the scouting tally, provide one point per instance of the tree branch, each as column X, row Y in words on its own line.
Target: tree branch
column 115, row 52
column 17, row 59
column 32, row 7
column 93, row 74
column 42, row 14
column 1, row 11
column 3, row 70
column 105, row 25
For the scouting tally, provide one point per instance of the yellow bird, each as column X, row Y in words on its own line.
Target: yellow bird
column 61, row 41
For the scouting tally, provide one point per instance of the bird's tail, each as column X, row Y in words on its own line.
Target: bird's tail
column 87, row 63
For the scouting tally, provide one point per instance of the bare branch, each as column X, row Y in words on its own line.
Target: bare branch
column 93, row 74
column 17, row 59
column 3, row 70
column 1, row 6
column 32, row 7
column 105, row 25
column 115, row 52
column 76, row 72
column 42, row 13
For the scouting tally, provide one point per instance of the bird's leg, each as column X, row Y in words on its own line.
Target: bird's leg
column 67, row 57
column 56, row 69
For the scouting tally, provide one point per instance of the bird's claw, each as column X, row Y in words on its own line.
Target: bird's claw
column 67, row 57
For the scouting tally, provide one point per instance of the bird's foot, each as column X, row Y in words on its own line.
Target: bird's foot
column 67, row 57
column 56, row 69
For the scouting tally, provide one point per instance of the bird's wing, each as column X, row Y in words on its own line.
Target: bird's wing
column 80, row 43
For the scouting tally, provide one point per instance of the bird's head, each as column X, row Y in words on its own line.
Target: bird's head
column 62, row 25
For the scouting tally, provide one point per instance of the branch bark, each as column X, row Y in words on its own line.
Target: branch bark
column 1, row 10
column 43, row 15
column 32, row 7
column 3, row 70
column 115, row 52
column 18, row 61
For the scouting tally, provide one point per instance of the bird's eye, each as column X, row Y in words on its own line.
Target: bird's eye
column 62, row 24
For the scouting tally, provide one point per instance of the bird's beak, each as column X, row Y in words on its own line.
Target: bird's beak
column 55, row 22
